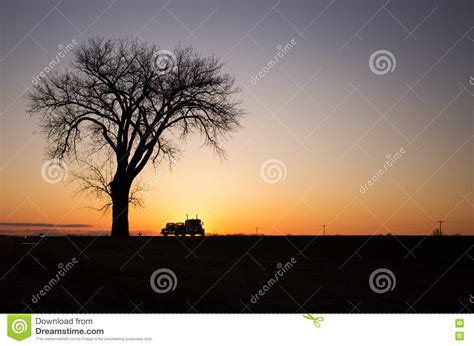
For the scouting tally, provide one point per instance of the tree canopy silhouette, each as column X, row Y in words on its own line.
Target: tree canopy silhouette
column 130, row 104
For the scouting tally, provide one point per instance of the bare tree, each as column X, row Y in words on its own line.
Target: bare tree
column 130, row 104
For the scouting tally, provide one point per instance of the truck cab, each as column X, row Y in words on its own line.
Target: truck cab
column 194, row 226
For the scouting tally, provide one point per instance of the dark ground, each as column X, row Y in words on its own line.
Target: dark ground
column 223, row 272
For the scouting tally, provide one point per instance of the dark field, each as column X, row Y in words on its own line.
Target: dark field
column 220, row 274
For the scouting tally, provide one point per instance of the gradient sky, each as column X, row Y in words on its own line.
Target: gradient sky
column 329, row 120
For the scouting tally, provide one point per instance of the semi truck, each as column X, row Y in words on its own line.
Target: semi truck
column 180, row 229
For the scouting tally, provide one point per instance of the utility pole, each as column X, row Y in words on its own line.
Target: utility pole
column 440, row 223
column 256, row 230
column 324, row 229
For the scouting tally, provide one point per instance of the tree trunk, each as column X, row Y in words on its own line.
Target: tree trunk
column 120, row 194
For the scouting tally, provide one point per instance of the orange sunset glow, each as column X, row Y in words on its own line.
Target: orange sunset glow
column 324, row 140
